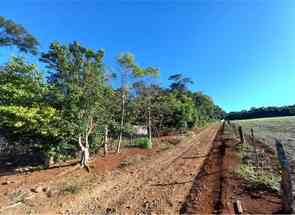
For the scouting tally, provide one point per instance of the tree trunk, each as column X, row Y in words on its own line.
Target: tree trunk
column 122, row 121
column 84, row 152
column 86, row 149
column 106, row 141
column 150, row 127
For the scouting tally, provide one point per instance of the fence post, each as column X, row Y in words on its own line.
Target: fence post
column 234, row 128
column 254, row 146
column 286, row 181
column 241, row 135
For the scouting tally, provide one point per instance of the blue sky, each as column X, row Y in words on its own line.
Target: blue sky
column 240, row 52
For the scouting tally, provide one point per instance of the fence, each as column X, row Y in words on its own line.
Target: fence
column 257, row 156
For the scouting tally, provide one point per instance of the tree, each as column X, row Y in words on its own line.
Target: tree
column 25, row 117
column 78, row 83
column 145, row 93
column 13, row 34
column 179, row 82
column 129, row 69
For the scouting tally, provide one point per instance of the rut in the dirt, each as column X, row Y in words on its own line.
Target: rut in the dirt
column 206, row 192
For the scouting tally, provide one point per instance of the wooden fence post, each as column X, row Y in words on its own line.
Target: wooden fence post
column 241, row 135
column 254, row 146
column 234, row 128
column 286, row 181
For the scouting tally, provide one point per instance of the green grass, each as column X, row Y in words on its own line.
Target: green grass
column 259, row 179
column 142, row 142
column 282, row 128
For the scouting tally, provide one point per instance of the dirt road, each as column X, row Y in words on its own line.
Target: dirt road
column 159, row 185
column 195, row 176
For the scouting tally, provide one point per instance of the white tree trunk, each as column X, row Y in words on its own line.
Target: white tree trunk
column 150, row 127
column 122, row 122
column 106, row 141
column 84, row 152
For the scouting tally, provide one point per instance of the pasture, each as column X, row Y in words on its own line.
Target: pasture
column 282, row 128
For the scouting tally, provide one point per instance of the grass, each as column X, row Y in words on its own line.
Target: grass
column 17, row 196
column 70, row 189
column 142, row 142
column 282, row 128
column 259, row 179
column 257, row 168
column 76, row 185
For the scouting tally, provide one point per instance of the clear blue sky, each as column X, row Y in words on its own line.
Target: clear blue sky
column 240, row 52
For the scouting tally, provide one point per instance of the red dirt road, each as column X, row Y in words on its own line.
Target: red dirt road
column 195, row 176
column 158, row 185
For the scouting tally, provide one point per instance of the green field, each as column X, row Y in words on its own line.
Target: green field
column 282, row 128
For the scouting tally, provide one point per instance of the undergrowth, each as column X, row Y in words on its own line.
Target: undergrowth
column 142, row 142
column 259, row 177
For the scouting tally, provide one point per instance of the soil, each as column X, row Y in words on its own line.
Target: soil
column 217, row 189
column 193, row 176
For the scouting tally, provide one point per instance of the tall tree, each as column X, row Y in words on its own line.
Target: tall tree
column 78, row 81
column 129, row 69
column 13, row 34
column 146, row 90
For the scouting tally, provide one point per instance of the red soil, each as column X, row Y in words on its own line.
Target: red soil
column 194, row 176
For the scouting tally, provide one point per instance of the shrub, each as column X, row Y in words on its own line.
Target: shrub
column 143, row 142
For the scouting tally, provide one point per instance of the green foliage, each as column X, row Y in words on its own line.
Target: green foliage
column 20, row 83
column 78, row 88
column 262, row 112
column 23, row 113
column 142, row 142
column 13, row 34
column 76, row 100
column 179, row 82
column 259, row 179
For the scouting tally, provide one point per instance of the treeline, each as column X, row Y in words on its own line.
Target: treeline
column 262, row 112
column 75, row 106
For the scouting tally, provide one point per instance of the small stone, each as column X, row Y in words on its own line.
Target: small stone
column 45, row 189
